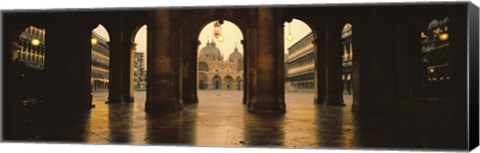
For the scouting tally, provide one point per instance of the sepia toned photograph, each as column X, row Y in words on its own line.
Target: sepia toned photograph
column 392, row 76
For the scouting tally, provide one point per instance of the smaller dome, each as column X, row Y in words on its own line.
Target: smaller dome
column 235, row 56
column 238, row 58
column 213, row 44
column 210, row 51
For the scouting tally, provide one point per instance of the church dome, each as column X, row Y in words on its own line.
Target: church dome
column 235, row 56
column 211, row 51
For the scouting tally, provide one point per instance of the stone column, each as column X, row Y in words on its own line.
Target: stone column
column 373, row 70
column 11, row 104
column 320, row 62
column 120, row 65
column 244, row 88
column 266, row 77
column 190, row 84
column 68, row 59
column 165, row 82
column 464, row 45
column 359, row 72
column 10, row 37
column 333, row 63
column 128, row 69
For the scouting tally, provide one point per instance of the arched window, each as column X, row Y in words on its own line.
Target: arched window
column 203, row 66
column 203, row 81
column 217, row 81
column 229, row 81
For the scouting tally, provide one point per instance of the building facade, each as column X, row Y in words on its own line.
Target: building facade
column 100, row 63
column 435, row 60
column 214, row 73
column 347, row 58
column 30, row 48
column 28, row 61
column 139, row 72
column 300, row 65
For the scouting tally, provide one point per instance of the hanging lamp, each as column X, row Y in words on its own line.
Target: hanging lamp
column 289, row 36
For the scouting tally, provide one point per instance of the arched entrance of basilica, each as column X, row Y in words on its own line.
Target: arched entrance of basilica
column 219, row 57
column 217, row 81
column 229, row 82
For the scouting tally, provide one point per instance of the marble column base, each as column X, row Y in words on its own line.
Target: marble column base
column 120, row 99
column 264, row 106
column 317, row 101
column 190, row 100
column 162, row 106
column 334, row 101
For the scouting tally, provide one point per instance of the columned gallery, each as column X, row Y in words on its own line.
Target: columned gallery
column 391, row 72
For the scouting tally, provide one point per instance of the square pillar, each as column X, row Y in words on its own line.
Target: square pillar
column 244, row 87
column 189, row 50
column 265, row 75
column 320, row 63
column 12, row 106
column 374, row 71
column 333, row 68
column 68, row 66
column 164, row 83
column 121, row 57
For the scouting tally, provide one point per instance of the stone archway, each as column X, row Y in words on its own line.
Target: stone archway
column 263, row 33
column 302, row 62
column 197, row 20
column 203, row 81
column 214, row 57
column 217, row 82
column 100, row 54
column 228, row 82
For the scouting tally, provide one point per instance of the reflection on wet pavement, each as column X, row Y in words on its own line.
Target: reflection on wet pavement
column 220, row 119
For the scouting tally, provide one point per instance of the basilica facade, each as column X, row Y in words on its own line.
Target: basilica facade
column 215, row 73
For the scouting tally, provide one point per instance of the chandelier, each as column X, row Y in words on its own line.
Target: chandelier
column 289, row 36
column 217, row 31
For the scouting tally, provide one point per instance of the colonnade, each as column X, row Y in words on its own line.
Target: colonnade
column 172, row 80
column 385, row 66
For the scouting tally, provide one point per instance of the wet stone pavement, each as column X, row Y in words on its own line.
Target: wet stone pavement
column 220, row 119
